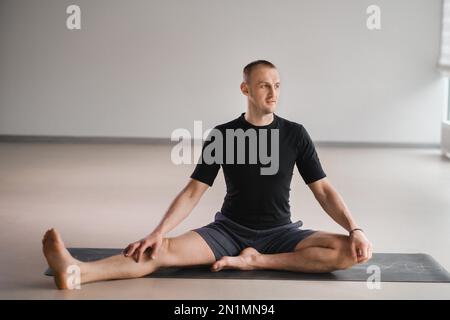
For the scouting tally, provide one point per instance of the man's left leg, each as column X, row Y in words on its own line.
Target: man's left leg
column 320, row 252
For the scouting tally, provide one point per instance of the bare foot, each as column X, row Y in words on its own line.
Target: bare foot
column 58, row 258
column 244, row 261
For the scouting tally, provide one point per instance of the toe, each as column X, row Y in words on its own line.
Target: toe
column 220, row 264
column 54, row 235
column 215, row 267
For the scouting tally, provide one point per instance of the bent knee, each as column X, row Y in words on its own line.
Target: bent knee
column 162, row 251
column 345, row 262
column 344, row 256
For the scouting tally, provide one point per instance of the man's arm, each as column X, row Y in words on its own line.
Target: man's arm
column 178, row 210
column 182, row 205
column 333, row 204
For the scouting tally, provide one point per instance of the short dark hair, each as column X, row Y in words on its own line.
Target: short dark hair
column 252, row 65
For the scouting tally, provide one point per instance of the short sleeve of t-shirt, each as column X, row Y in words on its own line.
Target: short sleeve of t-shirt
column 307, row 162
column 203, row 171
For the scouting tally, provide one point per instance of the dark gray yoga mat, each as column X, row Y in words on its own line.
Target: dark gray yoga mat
column 393, row 267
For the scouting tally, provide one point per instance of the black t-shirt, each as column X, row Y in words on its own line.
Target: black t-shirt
column 253, row 199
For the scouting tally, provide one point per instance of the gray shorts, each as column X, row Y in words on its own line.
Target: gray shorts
column 228, row 238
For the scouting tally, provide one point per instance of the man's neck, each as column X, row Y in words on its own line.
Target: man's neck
column 258, row 119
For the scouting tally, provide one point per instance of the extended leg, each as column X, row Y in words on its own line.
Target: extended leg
column 186, row 250
column 320, row 252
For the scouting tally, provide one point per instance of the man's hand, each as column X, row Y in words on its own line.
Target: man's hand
column 361, row 246
column 137, row 249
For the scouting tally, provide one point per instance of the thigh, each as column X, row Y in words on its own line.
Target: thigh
column 223, row 239
column 283, row 240
column 324, row 239
column 188, row 249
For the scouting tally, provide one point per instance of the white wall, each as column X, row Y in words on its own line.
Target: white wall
column 144, row 68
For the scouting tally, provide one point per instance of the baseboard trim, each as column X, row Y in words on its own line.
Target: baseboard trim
column 86, row 140
column 167, row 141
column 355, row 144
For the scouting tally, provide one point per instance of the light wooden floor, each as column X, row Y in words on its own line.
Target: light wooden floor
column 107, row 195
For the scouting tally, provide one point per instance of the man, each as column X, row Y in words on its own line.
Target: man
column 253, row 229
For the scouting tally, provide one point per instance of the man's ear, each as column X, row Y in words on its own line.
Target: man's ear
column 244, row 88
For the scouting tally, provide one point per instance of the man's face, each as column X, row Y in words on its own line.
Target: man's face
column 262, row 89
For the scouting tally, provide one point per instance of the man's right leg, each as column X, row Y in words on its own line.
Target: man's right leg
column 188, row 249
